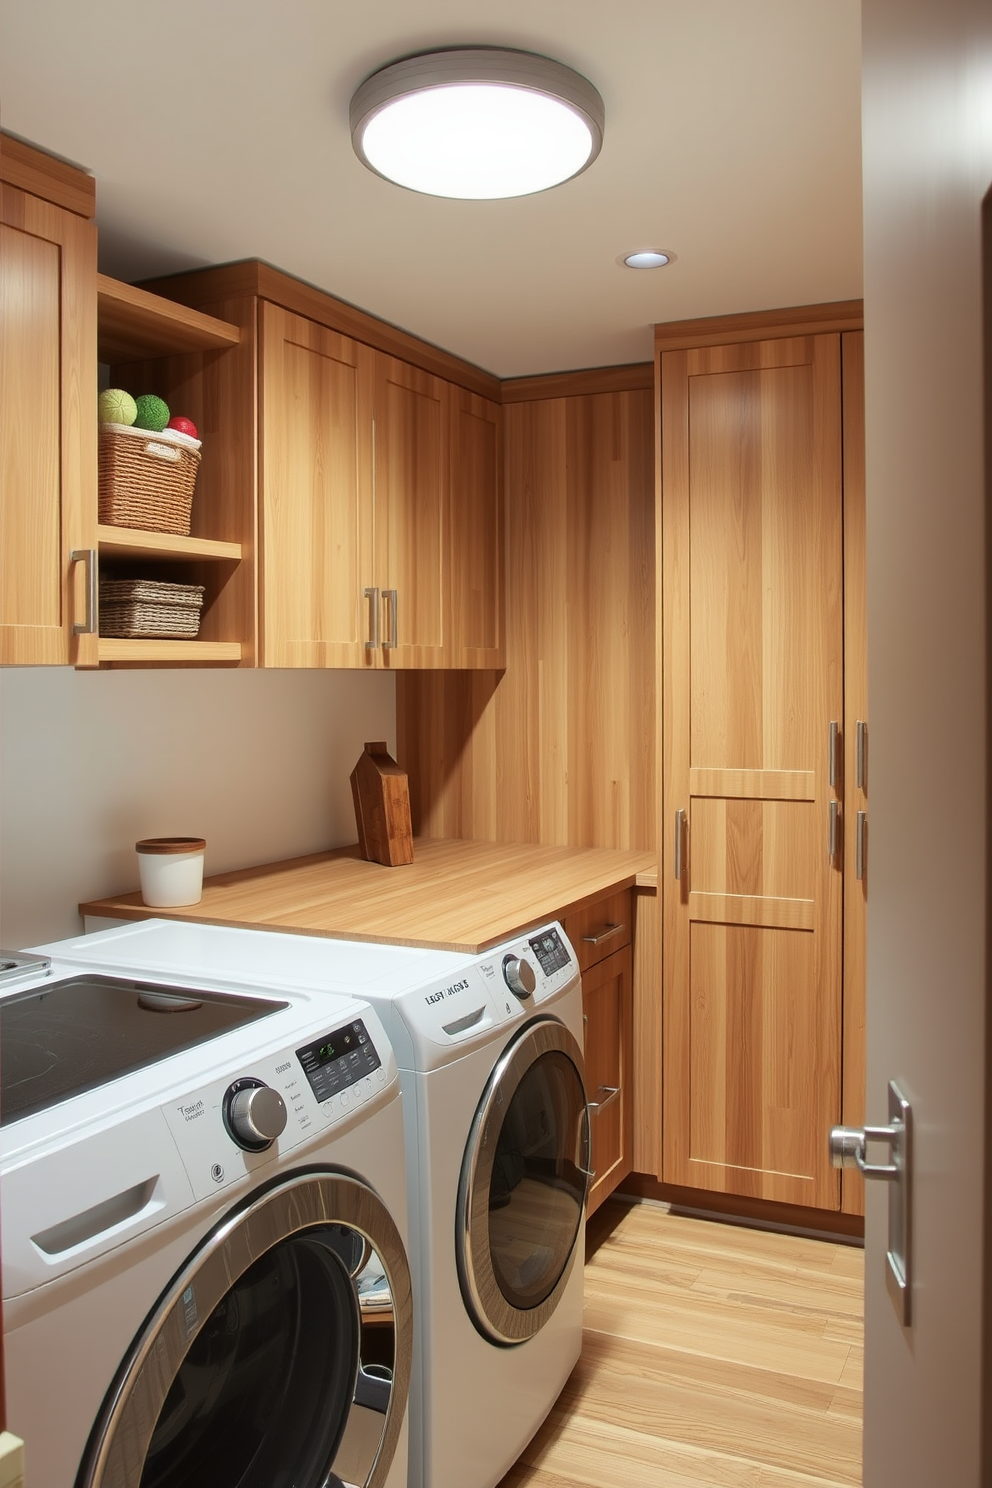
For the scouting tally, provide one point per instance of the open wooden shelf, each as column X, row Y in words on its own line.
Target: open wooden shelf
column 134, row 325
column 132, row 542
column 112, row 649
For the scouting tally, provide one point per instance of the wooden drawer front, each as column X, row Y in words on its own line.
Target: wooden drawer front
column 601, row 928
column 607, row 1009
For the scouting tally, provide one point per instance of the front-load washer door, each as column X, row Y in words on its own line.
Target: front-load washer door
column 279, row 1356
column 523, row 1184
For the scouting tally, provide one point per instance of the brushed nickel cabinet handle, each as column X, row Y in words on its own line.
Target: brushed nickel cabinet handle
column 680, row 829
column 390, row 597
column 372, row 595
column 610, row 1091
column 834, row 741
column 862, row 735
column 89, row 624
column 834, row 832
column 860, row 846
column 605, row 934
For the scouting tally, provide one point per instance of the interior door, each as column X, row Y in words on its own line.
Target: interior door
column 753, row 682
column 316, row 490
column 411, row 479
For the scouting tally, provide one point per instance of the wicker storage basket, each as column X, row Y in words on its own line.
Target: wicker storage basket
column 146, row 479
column 132, row 608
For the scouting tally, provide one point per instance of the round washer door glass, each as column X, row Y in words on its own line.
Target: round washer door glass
column 278, row 1358
column 523, row 1184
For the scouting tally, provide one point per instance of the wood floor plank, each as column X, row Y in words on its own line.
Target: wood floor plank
column 714, row 1357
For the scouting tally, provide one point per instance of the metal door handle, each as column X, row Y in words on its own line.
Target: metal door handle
column 834, row 831
column 680, row 828
column 860, row 852
column 834, row 741
column 862, row 736
column 372, row 595
column 606, row 934
column 90, row 623
column 389, row 595
column 610, row 1091
column 848, row 1150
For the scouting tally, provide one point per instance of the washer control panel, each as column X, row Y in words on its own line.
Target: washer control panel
column 550, row 950
column 340, row 1059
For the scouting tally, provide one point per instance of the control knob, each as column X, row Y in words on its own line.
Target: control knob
column 254, row 1114
column 519, row 975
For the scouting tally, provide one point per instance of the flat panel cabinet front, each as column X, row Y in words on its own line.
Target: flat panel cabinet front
column 316, row 519
column 752, row 514
column 607, row 1006
column 48, row 390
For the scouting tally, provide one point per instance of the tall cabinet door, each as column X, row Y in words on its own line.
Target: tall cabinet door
column 316, row 393
column 753, row 681
column 475, row 534
column 411, row 481
column 48, row 391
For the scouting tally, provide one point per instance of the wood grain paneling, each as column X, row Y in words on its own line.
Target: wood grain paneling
column 712, row 1354
column 250, row 277
column 759, row 325
column 475, row 548
column 753, row 675
column 647, row 1020
column 630, row 377
column 560, row 749
column 607, row 1012
column 855, row 708
column 134, row 325
column 47, row 177
column 48, row 390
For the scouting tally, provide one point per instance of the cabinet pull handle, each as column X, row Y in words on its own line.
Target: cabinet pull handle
column 610, row 1091
column 605, row 934
column 834, row 741
column 860, row 850
column 680, row 827
column 390, row 596
column 834, row 833
column 862, row 733
column 372, row 595
column 89, row 625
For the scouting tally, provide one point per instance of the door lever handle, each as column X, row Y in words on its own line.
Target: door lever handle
column 848, row 1146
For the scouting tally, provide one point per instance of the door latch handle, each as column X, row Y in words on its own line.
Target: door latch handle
column 848, row 1146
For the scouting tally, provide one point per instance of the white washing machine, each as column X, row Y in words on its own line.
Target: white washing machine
column 489, row 1050
column 204, row 1229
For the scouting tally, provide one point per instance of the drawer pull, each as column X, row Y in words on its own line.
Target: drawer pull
column 605, row 934
column 610, row 1091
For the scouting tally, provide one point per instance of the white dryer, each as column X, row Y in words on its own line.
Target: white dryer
column 489, row 1051
column 204, row 1226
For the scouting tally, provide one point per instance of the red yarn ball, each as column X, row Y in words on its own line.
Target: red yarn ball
column 183, row 426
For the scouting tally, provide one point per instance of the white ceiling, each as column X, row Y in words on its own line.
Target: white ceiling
column 218, row 129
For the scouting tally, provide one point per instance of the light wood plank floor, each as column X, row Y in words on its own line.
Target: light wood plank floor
column 714, row 1357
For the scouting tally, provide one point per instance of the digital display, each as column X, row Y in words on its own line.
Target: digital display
column 550, row 951
column 338, row 1060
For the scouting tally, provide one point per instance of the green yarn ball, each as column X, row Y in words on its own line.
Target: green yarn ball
column 115, row 406
column 152, row 413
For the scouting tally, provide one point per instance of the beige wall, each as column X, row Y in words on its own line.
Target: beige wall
column 927, row 166
column 255, row 761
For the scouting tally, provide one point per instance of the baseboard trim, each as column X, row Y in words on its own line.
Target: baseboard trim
column 760, row 1214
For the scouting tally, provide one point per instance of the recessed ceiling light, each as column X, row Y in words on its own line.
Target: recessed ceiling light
column 479, row 123
column 646, row 258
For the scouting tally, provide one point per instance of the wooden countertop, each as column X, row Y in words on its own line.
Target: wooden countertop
column 456, row 895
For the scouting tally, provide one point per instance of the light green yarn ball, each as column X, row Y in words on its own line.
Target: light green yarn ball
column 115, row 406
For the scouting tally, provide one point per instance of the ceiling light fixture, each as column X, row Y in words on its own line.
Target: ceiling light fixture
column 646, row 258
column 477, row 123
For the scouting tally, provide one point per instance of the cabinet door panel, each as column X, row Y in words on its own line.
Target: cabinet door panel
column 753, row 677
column 47, row 428
column 608, row 1010
column 475, row 544
column 411, row 463
column 316, row 522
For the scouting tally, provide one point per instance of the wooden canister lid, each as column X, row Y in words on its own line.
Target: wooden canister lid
column 171, row 845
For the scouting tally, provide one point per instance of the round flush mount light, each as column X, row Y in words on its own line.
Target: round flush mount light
column 646, row 258
column 477, row 123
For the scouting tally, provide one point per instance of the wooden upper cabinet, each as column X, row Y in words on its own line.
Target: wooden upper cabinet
column 316, row 518
column 410, row 483
column 48, row 391
column 475, row 563
column 753, row 679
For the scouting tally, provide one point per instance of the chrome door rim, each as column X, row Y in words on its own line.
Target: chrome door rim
column 295, row 1204
column 497, row 1318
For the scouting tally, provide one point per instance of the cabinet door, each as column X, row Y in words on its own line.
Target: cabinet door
column 411, row 482
column 316, row 392
column 608, row 1007
column 474, row 559
column 753, row 679
column 48, row 391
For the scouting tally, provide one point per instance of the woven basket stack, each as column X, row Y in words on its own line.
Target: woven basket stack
column 150, row 608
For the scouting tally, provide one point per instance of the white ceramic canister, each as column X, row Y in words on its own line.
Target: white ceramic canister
column 170, row 870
